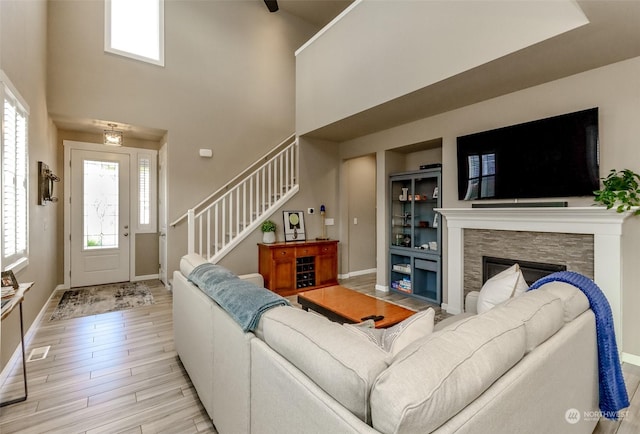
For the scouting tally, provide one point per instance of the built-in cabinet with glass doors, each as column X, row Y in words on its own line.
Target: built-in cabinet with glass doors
column 415, row 245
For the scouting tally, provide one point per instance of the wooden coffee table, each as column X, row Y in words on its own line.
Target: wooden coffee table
column 342, row 305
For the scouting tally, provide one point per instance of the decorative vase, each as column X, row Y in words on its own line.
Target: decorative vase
column 403, row 196
column 268, row 237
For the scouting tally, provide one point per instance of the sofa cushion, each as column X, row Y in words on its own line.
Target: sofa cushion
column 501, row 287
column 396, row 338
column 573, row 300
column 342, row 364
column 433, row 379
column 451, row 320
column 540, row 311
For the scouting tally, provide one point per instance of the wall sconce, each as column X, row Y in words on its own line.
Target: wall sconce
column 46, row 178
column 113, row 137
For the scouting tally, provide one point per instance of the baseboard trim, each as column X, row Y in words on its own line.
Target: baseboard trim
column 631, row 359
column 445, row 307
column 382, row 288
column 146, row 277
column 28, row 336
column 357, row 273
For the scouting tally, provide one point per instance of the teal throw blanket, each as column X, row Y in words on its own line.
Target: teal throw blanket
column 242, row 300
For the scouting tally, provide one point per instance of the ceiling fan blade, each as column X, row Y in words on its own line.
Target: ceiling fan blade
column 272, row 5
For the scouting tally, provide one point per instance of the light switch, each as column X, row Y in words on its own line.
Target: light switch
column 355, row 220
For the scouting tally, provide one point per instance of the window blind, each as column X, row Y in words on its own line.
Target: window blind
column 14, row 180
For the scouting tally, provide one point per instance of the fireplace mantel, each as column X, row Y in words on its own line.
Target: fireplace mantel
column 605, row 226
column 571, row 220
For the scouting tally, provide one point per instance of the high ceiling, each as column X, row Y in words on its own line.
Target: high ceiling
column 316, row 12
column 612, row 35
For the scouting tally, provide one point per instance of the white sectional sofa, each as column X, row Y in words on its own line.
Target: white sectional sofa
column 520, row 367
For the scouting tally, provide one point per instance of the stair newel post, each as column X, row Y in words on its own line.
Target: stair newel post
column 191, row 231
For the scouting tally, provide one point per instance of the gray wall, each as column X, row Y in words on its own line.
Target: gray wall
column 319, row 176
column 227, row 84
column 23, row 54
column 613, row 88
column 382, row 50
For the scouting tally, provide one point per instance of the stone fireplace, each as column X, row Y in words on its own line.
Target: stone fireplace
column 585, row 239
column 573, row 251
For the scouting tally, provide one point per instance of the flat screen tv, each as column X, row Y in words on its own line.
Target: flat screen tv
column 552, row 157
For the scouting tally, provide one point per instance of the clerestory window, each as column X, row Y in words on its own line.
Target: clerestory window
column 135, row 29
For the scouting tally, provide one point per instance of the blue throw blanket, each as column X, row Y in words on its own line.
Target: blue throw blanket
column 242, row 300
column 613, row 393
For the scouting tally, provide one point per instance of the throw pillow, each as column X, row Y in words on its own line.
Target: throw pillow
column 394, row 339
column 501, row 287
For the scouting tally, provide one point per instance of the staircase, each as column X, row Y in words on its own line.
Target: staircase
column 221, row 221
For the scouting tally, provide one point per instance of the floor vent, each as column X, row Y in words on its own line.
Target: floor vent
column 38, row 353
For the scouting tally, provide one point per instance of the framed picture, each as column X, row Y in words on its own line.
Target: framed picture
column 293, row 225
column 8, row 279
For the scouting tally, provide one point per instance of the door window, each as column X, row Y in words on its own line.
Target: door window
column 101, row 209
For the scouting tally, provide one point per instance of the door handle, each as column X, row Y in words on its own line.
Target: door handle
column 126, row 234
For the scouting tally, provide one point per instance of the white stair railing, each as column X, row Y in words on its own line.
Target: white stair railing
column 217, row 228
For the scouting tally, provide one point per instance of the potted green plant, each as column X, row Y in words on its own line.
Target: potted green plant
column 621, row 190
column 268, row 232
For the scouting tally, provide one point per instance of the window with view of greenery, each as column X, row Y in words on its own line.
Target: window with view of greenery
column 14, row 113
column 135, row 29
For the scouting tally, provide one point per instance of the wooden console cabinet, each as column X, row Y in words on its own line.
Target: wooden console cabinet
column 292, row 267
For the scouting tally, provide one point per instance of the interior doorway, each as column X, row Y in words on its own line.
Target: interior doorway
column 361, row 214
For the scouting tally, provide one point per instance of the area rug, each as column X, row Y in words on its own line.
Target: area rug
column 102, row 299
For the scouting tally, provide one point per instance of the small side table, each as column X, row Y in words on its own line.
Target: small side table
column 14, row 301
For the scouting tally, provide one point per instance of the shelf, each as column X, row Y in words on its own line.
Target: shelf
column 413, row 270
column 402, row 268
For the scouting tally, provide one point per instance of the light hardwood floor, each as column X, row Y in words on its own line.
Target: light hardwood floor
column 108, row 373
column 118, row 372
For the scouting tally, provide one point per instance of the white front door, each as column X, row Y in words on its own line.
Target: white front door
column 99, row 217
